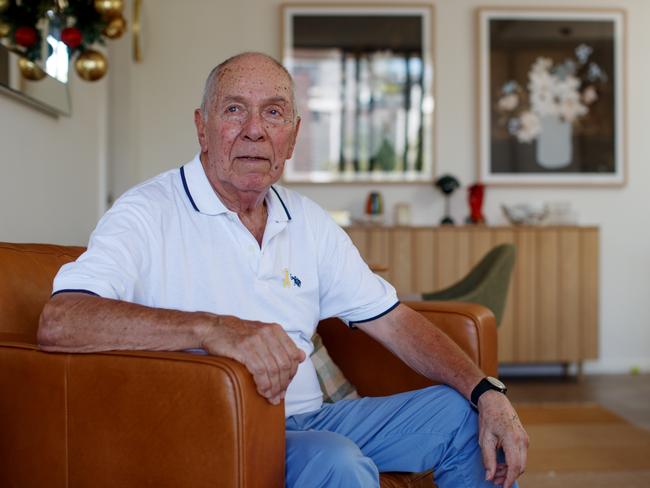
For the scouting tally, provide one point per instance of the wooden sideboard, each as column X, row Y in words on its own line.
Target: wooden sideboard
column 551, row 313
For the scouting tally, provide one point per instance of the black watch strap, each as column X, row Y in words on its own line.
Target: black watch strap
column 487, row 383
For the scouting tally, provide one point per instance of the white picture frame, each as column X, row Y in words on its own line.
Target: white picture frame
column 551, row 95
column 351, row 128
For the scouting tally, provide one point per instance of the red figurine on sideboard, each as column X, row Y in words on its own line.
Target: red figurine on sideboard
column 475, row 197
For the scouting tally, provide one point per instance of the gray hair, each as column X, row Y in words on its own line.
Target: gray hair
column 211, row 83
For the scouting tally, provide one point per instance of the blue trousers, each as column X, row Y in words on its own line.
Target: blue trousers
column 348, row 443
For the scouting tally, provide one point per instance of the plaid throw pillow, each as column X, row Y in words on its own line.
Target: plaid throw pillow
column 334, row 385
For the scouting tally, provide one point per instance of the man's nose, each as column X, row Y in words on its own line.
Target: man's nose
column 254, row 127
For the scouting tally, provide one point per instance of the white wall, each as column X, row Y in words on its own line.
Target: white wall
column 51, row 182
column 49, row 190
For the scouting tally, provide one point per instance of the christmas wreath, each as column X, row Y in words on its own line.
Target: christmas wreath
column 79, row 24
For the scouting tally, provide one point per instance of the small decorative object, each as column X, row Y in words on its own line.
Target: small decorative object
column 30, row 70
column 402, row 213
column 525, row 213
column 91, row 65
column 475, row 195
column 71, row 37
column 560, row 213
column 32, row 29
column 447, row 184
column 109, row 8
column 375, row 207
column 551, row 112
column 26, row 36
column 115, row 28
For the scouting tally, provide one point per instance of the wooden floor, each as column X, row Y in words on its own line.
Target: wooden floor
column 626, row 395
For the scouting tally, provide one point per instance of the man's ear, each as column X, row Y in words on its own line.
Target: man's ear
column 293, row 141
column 199, row 122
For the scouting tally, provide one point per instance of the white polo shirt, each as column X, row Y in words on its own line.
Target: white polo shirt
column 171, row 243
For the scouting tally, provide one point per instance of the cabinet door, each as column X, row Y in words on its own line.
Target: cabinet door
column 507, row 330
column 425, row 254
column 401, row 266
column 548, row 291
column 589, row 276
column 525, row 285
column 569, row 295
column 451, row 262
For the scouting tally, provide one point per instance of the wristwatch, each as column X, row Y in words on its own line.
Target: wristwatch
column 487, row 383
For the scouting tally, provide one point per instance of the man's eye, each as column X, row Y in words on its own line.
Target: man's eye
column 232, row 109
column 274, row 112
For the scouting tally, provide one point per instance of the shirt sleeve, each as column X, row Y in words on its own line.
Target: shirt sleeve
column 349, row 290
column 116, row 256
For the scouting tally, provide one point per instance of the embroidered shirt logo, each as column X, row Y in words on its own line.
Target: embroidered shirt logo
column 289, row 279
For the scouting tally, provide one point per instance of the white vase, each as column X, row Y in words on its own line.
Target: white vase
column 554, row 147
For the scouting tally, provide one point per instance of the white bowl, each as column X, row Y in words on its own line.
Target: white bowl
column 525, row 213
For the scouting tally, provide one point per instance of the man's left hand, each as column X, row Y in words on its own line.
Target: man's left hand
column 500, row 428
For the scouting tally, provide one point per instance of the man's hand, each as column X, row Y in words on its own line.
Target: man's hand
column 500, row 428
column 265, row 349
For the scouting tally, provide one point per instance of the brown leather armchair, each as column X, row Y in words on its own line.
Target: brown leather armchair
column 167, row 419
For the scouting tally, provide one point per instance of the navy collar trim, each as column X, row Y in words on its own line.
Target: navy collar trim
column 194, row 206
column 187, row 190
column 282, row 202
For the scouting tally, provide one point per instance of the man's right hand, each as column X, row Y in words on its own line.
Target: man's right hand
column 265, row 349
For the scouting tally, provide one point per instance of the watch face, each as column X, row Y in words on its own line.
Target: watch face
column 496, row 382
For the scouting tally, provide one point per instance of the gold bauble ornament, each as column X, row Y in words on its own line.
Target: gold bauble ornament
column 5, row 29
column 109, row 8
column 91, row 65
column 3, row 5
column 115, row 27
column 30, row 70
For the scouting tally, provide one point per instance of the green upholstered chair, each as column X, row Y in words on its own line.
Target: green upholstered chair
column 486, row 284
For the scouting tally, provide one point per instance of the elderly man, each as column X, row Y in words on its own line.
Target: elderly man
column 216, row 257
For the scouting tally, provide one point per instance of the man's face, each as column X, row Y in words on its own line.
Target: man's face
column 251, row 129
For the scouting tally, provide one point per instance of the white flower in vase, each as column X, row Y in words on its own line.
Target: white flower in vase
column 569, row 106
column 589, row 95
column 529, row 127
column 557, row 96
column 508, row 102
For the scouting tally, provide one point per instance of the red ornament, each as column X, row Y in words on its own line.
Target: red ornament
column 71, row 37
column 26, row 36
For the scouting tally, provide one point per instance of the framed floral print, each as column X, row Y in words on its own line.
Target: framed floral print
column 364, row 90
column 551, row 96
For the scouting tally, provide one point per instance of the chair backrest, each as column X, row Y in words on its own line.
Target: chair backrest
column 26, row 275
column 487, row 283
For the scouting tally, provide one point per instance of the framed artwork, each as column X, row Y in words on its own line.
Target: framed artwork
column 551, row 96
column 364, row 91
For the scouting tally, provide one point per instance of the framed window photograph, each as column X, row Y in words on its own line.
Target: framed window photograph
column 551, row 96
column 364, row 91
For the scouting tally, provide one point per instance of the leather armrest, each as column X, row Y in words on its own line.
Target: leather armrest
column 375, row 371
column 134, row 419
column 470, row 325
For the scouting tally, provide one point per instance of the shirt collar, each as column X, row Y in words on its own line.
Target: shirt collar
column 203, row 198
column 276, row 206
